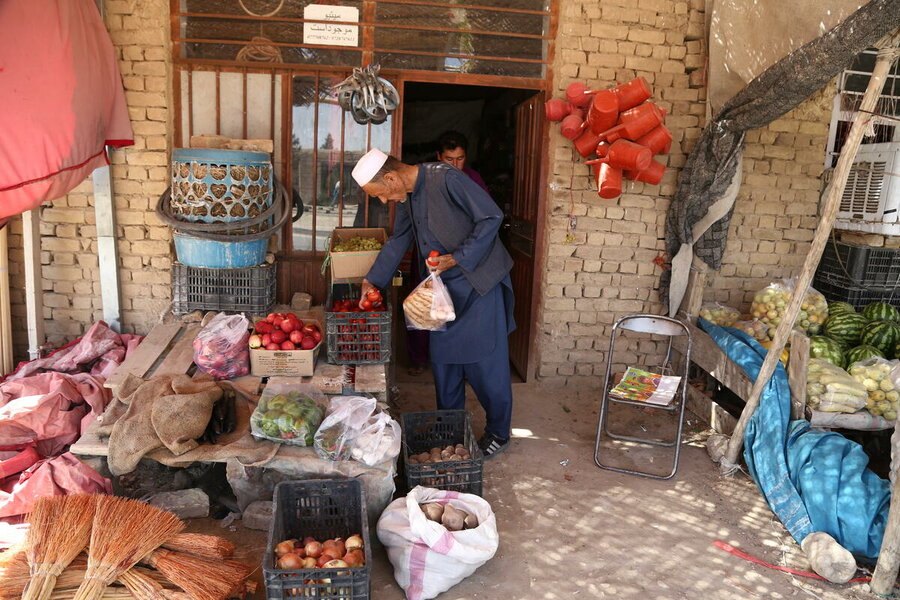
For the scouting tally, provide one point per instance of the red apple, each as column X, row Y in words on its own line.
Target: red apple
column 308, row 329
column 288, row 325
column 266, row 339
column 270, row 318
column 307, row 343
column 287, row 345
column 317, row 335
column 291, row 316
column 296, row 336
column 263, row 327
column 255, row 341
column 278, row 321
column 273, row 346
column 278, row 336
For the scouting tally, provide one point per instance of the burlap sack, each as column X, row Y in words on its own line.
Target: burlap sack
column 179, row 419
column 132, row 434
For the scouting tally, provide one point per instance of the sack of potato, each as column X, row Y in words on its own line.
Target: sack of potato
column 429, row 307
column 879, row 377
column 770, row 303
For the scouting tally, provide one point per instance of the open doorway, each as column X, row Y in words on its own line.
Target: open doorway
column 494, row 121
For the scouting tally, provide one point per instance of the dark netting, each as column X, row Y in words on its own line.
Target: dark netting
column 780, row 88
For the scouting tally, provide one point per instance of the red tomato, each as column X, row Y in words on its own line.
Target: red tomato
column 366, row 304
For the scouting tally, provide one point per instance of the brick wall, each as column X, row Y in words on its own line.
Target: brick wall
column 605, row 268
column 70, row 278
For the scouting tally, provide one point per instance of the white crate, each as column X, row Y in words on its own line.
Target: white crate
column 871, row 199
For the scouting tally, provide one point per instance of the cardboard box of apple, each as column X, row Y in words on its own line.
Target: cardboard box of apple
column 280, row 331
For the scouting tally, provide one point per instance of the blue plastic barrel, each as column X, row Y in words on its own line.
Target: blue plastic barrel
column 196, row 252
column 220, row 186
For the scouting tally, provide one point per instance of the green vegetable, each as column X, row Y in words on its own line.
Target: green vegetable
column 357, row 244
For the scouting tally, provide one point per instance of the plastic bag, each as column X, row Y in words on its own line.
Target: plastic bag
column 347, row 417
column 221, row 349
column 880, row 378
column 829, row 388
column 378, row 441
column 719, row 314
column 289, row 412
column 428, row 559
column 429, row 307
column 770, row 303
column 755, row 328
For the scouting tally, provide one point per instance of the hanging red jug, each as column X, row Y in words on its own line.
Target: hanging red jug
column 556, row 109
column 609, row 181
column 603, row 111
column 623, row 154
column 658, row 139
column 571, row 127
column 653, row 174
column 586, row 143
column 634, row 123
column 578, row 94
column 632, row 93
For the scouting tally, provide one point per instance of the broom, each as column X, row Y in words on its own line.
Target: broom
column 208, row 546
column 60, row 527
column 141, row 585
column 201, row 578
column 123, row 531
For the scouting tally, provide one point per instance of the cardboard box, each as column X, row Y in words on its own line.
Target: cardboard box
column 292, row 363
column 353, row 265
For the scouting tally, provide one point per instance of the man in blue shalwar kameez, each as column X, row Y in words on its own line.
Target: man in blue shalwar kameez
column 440, row 208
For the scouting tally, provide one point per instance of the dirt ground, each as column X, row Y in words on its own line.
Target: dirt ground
column 571, row 530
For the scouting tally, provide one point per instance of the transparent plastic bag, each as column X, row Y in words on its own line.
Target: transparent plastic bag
column 719, row 314
column 347, row 417
column 770, row 303
column 881, row 379
column 829, row 388
column 755, row 328
column 378, row 441
column 289, row 412
column 221, row 349
column 429, row 307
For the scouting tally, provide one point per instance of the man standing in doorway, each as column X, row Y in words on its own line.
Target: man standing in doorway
column 452, row 149
column 442, row 209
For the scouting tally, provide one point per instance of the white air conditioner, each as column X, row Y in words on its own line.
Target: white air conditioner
column 871, row 199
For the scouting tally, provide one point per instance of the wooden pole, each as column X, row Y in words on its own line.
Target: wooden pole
column 889, row 558
column 6, row 348
column 829, row 212
column 34, row 292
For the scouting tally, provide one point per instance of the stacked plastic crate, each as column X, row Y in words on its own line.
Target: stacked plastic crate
column 859, row 275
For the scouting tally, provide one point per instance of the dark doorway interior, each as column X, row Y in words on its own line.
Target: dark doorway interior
column 487, row 117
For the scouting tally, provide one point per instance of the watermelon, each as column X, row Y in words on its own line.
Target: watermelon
column 840, row 307
column 859, row 353
column 883, row 335
column 881, row 311
column 827, row 349
column 845, row 327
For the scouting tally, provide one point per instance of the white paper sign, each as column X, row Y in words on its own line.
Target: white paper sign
column 328, row 34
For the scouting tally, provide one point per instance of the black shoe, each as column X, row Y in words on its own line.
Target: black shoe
column 491, row 445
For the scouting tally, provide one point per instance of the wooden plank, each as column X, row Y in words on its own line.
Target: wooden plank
column 145, row 355
column 34, row 293
column 797, row 363
column 707, row 355
column 181, row 356
column 693, row 299
column 6, row 346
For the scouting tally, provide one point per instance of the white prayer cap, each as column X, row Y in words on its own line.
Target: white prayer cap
column 368, row 165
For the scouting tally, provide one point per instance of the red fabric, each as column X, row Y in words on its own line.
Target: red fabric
column 61, row 100
column 50, row 409
column 58, row 476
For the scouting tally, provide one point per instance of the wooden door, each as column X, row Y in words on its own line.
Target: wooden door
column 523, row 217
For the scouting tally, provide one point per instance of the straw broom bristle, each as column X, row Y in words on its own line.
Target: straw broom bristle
column 107, row 593
column 141, row 585
column 123, row 532
column 59, row 529
column 202, row 578
column 209, row 546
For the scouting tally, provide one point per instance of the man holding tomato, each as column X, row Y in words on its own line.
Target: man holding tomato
column 442, row 210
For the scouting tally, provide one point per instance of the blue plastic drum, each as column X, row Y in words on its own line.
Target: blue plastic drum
column 220, row 186
column 195, row 252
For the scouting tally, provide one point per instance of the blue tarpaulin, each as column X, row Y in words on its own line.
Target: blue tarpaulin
column 813, row 480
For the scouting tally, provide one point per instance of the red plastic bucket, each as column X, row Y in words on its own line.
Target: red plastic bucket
column 603, row 112
column 586, row 143
column 657, row 140
column 653, row 174
column 578, row 94
column 635, row 123
column 632, row 93
column 571, row 127
column 555, row 109
column 609, row 181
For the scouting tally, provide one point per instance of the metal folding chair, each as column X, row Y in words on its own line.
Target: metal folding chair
column 657, row 325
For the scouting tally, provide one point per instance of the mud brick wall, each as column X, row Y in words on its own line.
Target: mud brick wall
column 70, row 276
column 604, row 268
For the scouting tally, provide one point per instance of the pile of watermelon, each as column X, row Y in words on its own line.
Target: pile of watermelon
column 850, row 336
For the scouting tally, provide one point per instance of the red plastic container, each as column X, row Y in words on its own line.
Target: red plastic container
column 556, row 109
column 609, row 181
column 632, row 93
column 603, row 112
column 571, row 127
column 587, row 142
column 653, row 174
column 578, row 94
column 623, row 154
column 657, row 140
column 635, row 123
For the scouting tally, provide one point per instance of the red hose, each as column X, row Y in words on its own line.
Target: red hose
column 741, row 554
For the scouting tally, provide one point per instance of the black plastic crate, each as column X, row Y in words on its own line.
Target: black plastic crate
column 323, row 509
column 356, row 338
column 250, row 290
column 860, row 265
column 858, row 297
column 423, row 431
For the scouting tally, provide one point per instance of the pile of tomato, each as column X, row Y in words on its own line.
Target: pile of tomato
column 357, row 339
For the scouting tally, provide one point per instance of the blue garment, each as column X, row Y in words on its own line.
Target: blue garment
column 813, row 480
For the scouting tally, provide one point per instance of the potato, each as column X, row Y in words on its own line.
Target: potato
column 453, row 519
column 470, row 521
column 433, row 511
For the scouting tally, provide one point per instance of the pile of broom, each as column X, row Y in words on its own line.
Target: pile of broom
column 88, row 547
